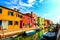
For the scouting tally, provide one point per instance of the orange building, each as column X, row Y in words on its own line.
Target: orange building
column 9, row 19
column 47, row 22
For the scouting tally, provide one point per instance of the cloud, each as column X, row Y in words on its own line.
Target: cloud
column 31, row 1
column 20, row 4
column 29, row 4
column 14, row 1
column 41, row 1
column 25, row 4
column 15, row 7
column 8, row 3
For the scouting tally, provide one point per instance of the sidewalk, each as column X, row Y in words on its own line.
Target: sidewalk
column 14, row 32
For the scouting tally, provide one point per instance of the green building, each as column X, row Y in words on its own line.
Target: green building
column 40, row 21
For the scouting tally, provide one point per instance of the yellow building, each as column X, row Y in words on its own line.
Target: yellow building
column 9, row 19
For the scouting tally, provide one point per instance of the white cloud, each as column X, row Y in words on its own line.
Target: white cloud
column 21, row 4
column 25, row 4
column 8, row 3
column 31, row 1
column 14, row 1
column 41, row 1
column 29, row 4
column 15, row 7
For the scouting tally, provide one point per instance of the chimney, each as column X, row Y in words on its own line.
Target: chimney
column 14, row 9
column 18, row 10
column 31, row 14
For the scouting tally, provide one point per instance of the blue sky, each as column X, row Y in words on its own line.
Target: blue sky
column 49, row 9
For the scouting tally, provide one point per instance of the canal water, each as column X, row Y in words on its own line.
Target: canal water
column 34, row 35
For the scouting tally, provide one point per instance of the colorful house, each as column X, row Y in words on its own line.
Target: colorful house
column 31, row 23
column 47, row 22
column 34, row 19
column 40, row 21
column 28, row 20
column 9, row 19
column 25, row 22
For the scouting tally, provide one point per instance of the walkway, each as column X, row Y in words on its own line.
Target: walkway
column 14, row 32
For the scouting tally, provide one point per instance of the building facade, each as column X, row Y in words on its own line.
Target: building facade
column 28, row 20
column 9, row 19
column 25, row 22
column 47, row 22
column 34, row 18
column 40, row 21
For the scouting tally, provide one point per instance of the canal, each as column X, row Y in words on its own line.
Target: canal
column 29, row 35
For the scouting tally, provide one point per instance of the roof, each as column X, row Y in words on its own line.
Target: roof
column 8, row 8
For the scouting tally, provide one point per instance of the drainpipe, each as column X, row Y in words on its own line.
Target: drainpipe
column 31, row 18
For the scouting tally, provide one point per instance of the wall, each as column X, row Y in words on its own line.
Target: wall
column 4, row 16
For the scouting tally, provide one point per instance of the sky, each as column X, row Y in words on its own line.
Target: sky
column 48, row 9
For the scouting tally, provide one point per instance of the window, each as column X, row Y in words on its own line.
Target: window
column 16, row 22
column 0, row 10
column 23, row 24
column 9, row 22
column 20, row 16
column 34, row 20
column 24, row 17
column 10, row 13
column 26, row 24
column 17, row 15
column 0, row 22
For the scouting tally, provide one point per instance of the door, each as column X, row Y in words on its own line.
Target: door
column 4, row 24
column 21, row 24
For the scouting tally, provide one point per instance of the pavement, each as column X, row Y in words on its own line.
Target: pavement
column 5, row 33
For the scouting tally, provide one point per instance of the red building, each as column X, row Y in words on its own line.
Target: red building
column 33, row 19
column 24, row 23
column 27, row 20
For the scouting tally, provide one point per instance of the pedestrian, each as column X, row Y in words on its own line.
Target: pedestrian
column 56, row 29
